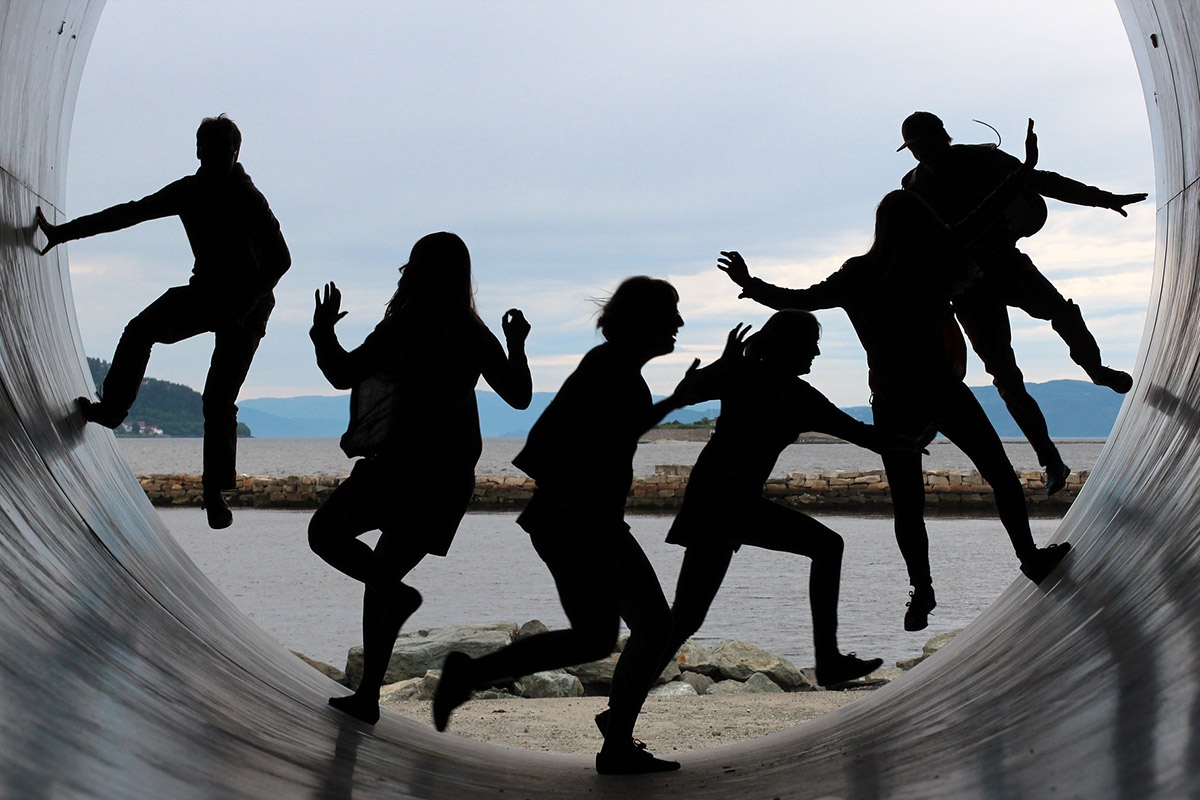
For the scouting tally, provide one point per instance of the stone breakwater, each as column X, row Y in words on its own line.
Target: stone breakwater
column 946, row 491
column 732, row 667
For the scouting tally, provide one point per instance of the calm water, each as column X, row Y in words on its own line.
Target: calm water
column 492, row 574
column 323, row 457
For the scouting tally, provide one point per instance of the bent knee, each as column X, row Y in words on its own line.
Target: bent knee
column 833, row 546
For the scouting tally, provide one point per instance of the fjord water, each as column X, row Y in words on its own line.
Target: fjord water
column 492, row 574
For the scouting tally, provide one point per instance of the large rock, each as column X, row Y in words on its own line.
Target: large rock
column 531, row 628
column 669, row 674
column 397, row 692
column 596, row 673
column 328, row 670
column 759, row 683
column 727, row 686
column 692, row 657
column 548, row 684
column 418, row 652
column 934, row 644
column 738, row 660
column 701, row 683
column 674, row 689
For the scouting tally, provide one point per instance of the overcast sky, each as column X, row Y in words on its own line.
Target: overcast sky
column 572, row 144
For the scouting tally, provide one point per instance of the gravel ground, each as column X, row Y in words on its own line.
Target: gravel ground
column 667, row 724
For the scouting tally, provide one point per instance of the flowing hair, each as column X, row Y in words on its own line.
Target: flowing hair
column 636, row 300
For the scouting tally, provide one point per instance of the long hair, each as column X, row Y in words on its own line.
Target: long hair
column 909, row 234
column 436, row 281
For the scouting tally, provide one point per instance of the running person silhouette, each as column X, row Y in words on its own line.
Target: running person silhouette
column 414, row 421
column 765, row 406
column 592, row 428
column 240, row 256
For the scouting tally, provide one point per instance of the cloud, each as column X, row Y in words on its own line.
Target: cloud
column 574, row 144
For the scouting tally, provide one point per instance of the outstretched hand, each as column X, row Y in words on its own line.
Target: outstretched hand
column 735, row 342
column 515, row 327
column 328, row 310
column 686, row 393
column 49, row 231
column 733, row 265
column 1118, row 201
column 1031, row 147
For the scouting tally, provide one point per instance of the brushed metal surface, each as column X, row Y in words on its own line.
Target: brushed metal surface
column 124, row 673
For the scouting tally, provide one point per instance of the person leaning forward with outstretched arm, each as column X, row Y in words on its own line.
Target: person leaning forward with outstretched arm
column 240, row 255
column 897, row 296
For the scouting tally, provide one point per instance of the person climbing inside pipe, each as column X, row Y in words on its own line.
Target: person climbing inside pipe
column 239, row 254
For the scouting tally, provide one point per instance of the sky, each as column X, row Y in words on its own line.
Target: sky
column 573, row 144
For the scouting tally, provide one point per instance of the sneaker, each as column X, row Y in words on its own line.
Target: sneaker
column 99, row 413
column 1056, row 477
column 919, row 606
column 1044, row 561
column 845, row 668
column 219, row 515
column 453, row 689
column 631, row 761
column 365, row 710
column 1120, row 382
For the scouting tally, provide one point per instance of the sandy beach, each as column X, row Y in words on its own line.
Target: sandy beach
column 667, row 724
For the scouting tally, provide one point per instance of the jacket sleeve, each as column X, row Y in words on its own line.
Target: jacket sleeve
column 829, row 293
column 507, row 374
column 163, row 203
column 1068, row 190
column 346, row 369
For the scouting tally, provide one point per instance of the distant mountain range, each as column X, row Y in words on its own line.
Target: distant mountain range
column 316, row 416
column 1073, row 409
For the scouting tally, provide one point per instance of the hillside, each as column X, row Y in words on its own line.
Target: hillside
column 1073, row 409
column 162, row 408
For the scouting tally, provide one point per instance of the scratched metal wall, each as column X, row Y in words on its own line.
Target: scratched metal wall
column 123, row 673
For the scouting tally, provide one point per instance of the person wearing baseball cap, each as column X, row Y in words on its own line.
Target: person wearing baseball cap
column 953, row 179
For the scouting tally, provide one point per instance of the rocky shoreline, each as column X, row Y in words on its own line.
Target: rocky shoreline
column 961, row 492
column 705, row 699
column 732, row 667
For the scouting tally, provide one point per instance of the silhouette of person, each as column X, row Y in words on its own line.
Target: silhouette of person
column 953, row 180
column 592, row 428
column 897, row 297
column 240, row 256
column 765, row 406
column 415, row 422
